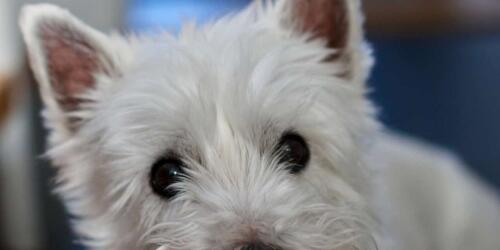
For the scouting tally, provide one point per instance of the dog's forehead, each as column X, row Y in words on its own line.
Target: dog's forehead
column 255, row 83
column 238, row 72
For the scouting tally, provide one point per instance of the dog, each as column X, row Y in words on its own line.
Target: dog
column 251, row 132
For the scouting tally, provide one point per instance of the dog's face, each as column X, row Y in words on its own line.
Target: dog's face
column 243, row 134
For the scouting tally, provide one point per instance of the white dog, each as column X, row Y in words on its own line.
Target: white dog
column 252, row 132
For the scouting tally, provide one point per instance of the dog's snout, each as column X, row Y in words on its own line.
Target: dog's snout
column 259, row 246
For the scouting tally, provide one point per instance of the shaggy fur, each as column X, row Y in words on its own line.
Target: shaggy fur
column 220, row 96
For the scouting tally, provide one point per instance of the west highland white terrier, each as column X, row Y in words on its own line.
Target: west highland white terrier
column 251, row 132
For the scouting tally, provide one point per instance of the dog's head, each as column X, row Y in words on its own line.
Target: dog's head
column 246, row 133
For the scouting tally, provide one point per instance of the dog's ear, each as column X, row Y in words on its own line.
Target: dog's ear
column 66, row 57
column 339, row 23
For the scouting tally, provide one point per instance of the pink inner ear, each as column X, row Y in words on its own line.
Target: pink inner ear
column 327, row 19
column 71, row 63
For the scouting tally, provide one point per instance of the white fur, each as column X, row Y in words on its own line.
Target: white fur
column 221, row 95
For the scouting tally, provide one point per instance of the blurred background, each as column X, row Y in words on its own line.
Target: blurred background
column 437, row 77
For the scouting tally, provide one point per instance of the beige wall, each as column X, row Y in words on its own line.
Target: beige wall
column 8, row 47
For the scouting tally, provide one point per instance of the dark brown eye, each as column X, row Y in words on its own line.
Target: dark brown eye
column 165, row 173
column 293, row 151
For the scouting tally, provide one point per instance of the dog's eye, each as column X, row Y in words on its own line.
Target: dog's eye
column 293, row 151
column 164, row 173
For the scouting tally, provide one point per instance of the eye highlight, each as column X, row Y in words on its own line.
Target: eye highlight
column 293, row 151
column 164, row 173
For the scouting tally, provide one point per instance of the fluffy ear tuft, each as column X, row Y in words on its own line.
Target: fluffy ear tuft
column 65, row 56
column 339, row 24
